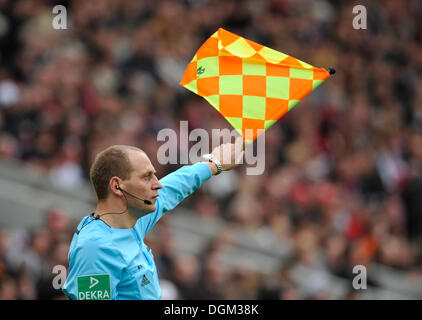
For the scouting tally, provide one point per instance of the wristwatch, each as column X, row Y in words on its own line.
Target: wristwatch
column 210, row 157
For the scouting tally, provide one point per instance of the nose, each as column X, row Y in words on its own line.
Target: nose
column 157, row 185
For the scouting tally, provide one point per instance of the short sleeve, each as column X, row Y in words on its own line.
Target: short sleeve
column 95, row 270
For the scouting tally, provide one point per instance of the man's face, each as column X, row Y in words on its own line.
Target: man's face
column 142, row 183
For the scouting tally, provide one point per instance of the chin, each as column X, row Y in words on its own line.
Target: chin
column 150, row 208
column 153, row 208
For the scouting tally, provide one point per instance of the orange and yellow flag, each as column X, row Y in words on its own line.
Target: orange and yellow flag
column 252, row 86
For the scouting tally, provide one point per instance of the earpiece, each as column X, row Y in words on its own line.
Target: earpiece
column 117, row 187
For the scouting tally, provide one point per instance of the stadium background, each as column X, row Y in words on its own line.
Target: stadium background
column 343, row 170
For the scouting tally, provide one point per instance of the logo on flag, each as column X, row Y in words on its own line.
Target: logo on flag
column 200, row 71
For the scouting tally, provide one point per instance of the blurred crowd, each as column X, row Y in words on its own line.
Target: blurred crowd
column 343, row 170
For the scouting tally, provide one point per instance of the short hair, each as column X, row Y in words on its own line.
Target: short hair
column 113, row 161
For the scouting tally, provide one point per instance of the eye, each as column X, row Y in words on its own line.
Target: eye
column 148, row 177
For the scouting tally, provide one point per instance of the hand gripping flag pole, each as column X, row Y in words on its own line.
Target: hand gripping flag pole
column 252, row 86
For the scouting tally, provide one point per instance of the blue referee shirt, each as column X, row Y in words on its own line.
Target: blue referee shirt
column 110, row 263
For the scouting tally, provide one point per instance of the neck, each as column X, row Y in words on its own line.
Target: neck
column 119, row 220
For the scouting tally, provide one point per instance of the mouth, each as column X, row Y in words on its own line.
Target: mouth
column 155, row 197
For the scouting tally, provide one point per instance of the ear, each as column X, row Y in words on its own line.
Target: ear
column 114, row 185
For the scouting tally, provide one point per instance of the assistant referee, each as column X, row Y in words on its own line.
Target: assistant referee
column 108, row 258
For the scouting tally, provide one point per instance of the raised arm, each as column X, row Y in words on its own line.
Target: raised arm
column 184, row 181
